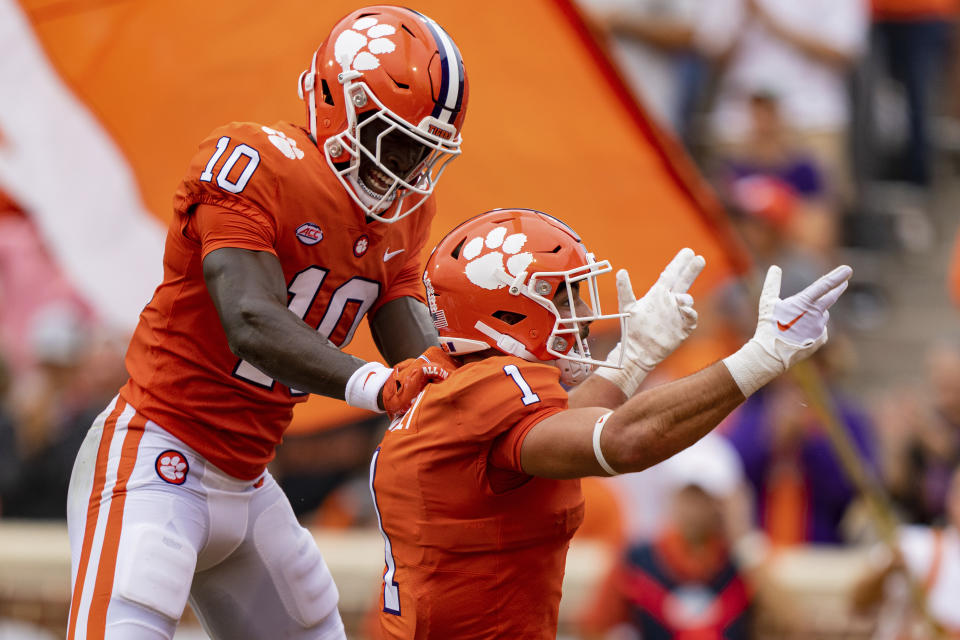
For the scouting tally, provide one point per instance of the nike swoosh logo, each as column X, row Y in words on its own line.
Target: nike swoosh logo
column 389, row 254
column 786, row 327
column 367, row 379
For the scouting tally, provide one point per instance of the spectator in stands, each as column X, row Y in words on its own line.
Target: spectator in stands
column 801, row 53
column 29, row 281
column 769, row 150
column 920, row 433
column 75, row 374
column 653, row 43
column 914, row 39
column 683, row 581
column 9, row 461
column 802, row 492
column 778, row 229
column 931, row 557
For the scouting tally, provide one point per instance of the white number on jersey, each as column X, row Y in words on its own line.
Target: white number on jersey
column 391, row 589
column 528, row 397
column 303, row 290
column 223, row 177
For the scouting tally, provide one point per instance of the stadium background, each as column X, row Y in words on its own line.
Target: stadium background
column 103, row 102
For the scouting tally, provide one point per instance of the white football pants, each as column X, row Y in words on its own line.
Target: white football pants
column 152, row 524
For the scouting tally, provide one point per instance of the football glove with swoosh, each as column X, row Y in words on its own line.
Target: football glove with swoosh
column 658, row 322
column 788, row 330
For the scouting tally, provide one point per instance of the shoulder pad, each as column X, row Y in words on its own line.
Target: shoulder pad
column 240, row 166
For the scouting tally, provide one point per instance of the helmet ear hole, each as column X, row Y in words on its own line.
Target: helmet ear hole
column 325, row 91
column 455, row 254
column 510, row 317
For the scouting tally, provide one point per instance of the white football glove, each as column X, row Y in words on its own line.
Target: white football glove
column 788, row 330
column 658, row 322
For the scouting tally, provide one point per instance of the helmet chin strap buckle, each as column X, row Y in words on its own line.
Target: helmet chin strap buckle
column 514, row 284
column 348, row 75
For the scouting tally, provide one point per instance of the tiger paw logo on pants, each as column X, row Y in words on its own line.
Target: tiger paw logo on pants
column 487, row 270
column 364, row 33
column 172, row 467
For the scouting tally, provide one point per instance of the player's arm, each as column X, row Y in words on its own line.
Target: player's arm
column 402, row 329
column 249, row 290
column 657, row 423
column 250, row 294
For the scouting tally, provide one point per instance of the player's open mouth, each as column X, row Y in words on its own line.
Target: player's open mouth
column 376, row 180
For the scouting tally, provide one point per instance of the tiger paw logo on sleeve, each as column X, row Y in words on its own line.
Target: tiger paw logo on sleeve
column 286, row 144
column 483, row 270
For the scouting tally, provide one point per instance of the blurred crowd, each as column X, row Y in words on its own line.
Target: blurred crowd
column 797, row 112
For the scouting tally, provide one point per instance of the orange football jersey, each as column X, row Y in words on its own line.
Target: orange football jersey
column 475, row 548
column 266, row 189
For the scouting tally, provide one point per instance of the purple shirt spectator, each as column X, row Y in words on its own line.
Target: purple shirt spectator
column 828, row 492
column 799, row 172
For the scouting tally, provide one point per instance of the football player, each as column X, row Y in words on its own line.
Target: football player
column 283, row 238
column 476, row 487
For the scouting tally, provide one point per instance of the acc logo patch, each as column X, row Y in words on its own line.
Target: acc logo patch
column 360, row 246
column 172, row 467
column 309, row 233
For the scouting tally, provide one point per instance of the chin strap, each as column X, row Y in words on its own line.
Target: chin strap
column 506, row 343
column 571, row 373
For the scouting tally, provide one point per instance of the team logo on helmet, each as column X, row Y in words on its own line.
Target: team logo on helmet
column 482, row 270
column 286, row 144
column 364, row 33
column 309, row 233
column 361, row 245
column 172, row 467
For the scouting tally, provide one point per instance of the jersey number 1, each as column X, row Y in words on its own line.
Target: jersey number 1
column 391, row 589
column 528, row 397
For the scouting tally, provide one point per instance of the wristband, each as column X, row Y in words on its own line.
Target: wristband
column 628, row 378
column 752, row 367
column 363, row 387
column 597, row 451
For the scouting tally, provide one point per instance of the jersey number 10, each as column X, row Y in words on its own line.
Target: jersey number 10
column 302, row 292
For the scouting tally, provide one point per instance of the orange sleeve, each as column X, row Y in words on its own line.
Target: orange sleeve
column 217, row 227
column 407, row 283
column 505, row 452
column 243, row 216
column 503, row 393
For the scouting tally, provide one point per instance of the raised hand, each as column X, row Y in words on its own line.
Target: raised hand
column 657, row 323
column 788, row 330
